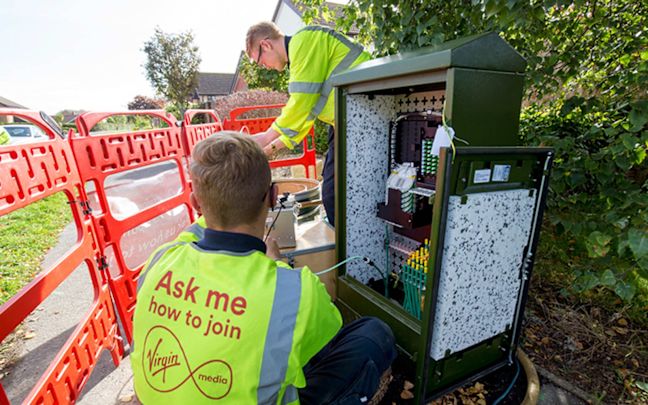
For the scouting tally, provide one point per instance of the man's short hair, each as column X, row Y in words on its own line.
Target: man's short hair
column 230, row 176
column 260, row 31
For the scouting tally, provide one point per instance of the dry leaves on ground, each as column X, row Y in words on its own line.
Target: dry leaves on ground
column 601, row 352
column 475, row 395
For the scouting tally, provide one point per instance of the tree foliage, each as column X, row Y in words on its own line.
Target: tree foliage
column 172, row 63
column 258, row 77
column 146, row 103
column 586, row 96
column 585, row 47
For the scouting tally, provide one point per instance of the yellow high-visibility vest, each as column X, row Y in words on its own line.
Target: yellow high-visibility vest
column 228, row 326
column 315, row 53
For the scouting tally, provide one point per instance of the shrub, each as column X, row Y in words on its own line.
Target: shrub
column 598, row 201
column 261, row 97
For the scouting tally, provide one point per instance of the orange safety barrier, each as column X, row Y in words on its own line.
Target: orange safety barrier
column 195, row 133
column 308, row 158
column 126, row 238
column 95, row 170
column 29, row 173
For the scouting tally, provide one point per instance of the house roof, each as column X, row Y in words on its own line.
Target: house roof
column 215, row 84
column 70, row 115
column 336, row 8
column 5, row 102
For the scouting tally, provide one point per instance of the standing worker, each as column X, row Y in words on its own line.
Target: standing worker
column 313, row 55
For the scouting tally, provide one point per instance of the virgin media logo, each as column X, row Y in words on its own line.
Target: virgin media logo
column 166, row 367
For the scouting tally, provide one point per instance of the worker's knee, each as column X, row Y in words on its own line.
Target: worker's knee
column 378, row 332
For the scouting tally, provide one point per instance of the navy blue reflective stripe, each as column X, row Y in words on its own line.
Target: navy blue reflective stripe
column 290, row 395
column 287, row 131
column 156, row 257
column 355, row 51
column 327, row 86
column 279, row 337
column 346, row 41
column 196, row 230
column 304, row 87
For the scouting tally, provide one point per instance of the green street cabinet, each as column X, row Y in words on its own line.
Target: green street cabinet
column 449, row 224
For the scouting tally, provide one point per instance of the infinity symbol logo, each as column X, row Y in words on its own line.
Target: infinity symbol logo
column 166, row 367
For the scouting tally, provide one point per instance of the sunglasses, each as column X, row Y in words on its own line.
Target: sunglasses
column 260, row 51
column 270, row 190
column 259, row 54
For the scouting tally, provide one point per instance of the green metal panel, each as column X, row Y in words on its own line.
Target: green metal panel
column 483, row 107
column 525, row 169
column 484, row 52
column 366, row 302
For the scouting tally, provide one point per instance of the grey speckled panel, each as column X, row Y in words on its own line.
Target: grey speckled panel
column 366, row 160
column 482, row 256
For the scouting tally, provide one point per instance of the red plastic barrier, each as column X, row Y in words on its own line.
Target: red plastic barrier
column 308, row 158
column 101, row 155
column 195, row 133
column 29, row 173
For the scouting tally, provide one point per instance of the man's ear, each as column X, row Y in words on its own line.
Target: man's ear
column 195, row 203
column 266, row 44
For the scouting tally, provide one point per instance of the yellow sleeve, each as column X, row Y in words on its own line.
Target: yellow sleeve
column 309, row 65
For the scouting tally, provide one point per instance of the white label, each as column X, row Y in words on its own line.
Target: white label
column 442, row 139
column 482, row 176
column 501, row 172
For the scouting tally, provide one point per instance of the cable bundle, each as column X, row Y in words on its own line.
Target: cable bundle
column 414, row 277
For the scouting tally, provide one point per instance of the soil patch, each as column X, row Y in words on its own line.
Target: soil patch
column 599, row 351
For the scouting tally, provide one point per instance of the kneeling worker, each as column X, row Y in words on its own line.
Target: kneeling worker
column 218, row 319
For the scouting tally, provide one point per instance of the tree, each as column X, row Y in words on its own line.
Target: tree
column 172, row 65
column 258, row 77
column 146, row 103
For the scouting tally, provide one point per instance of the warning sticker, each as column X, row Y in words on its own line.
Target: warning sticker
column 482, row 176
column 501, row 172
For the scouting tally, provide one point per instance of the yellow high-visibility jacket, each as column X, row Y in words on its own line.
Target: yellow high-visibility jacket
column 220, row 320
column 315, row 54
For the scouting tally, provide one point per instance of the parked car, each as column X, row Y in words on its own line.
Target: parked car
column 24, row 133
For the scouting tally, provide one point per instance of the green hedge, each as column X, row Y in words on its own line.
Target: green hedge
column 597, row 212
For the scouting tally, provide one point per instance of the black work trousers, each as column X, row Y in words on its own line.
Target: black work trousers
column 328, row 178
column 348, row 369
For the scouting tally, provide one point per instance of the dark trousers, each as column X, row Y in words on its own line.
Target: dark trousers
column 348, row 369
column 328, row 179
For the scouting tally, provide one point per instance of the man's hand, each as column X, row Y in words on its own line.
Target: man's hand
column 273, row 146
column 273, row 248
column 265, row 138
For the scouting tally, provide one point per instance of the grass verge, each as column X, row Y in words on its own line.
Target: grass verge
column 25, row 236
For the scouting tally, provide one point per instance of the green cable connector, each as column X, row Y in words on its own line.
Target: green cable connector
column 413, row 285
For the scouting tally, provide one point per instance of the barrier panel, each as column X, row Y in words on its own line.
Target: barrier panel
column 138, row 192
column 29, row 173
column 129, row 193
column 255, row 125
column 195, row 133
